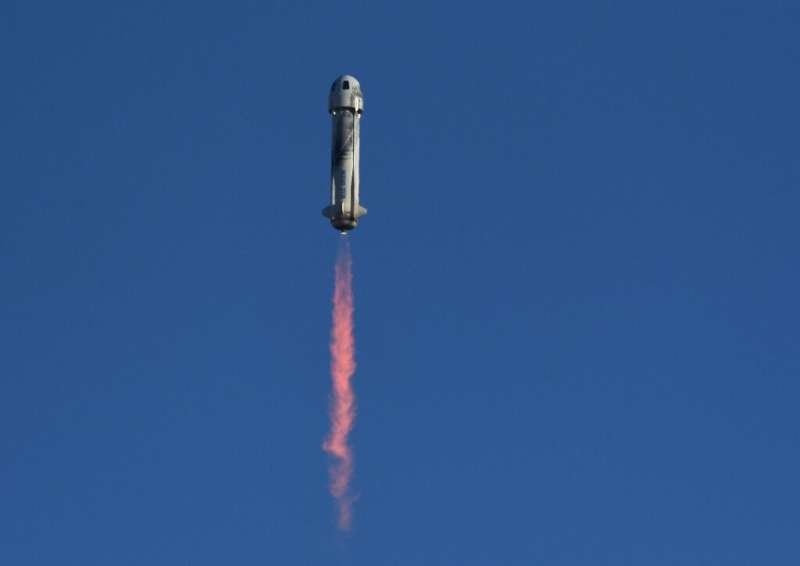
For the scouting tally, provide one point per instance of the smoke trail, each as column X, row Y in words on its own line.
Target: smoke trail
column 343, row 400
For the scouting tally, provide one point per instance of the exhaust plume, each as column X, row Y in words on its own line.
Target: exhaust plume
column 343, row 366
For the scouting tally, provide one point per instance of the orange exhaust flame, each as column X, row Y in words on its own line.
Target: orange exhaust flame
column 343, row 366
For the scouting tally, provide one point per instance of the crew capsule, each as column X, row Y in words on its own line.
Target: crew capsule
column 345, row 104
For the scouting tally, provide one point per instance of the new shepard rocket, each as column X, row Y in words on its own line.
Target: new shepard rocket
column 345, row 103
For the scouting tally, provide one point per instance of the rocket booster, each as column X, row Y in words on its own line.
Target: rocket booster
column 345, row 104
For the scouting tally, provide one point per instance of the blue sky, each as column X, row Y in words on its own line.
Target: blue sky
column 576, row 288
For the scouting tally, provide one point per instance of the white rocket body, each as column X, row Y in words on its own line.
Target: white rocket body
column 345, row 103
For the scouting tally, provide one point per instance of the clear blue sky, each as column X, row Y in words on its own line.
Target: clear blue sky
column 576, row 289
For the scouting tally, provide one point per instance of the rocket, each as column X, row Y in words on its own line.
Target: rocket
column 345, row 104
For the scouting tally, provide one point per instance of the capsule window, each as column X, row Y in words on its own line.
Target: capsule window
column 345, row 85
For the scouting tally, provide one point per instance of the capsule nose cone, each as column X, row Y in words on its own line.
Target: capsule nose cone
column 346, row 93
column 346, row 80
column 349, row 78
